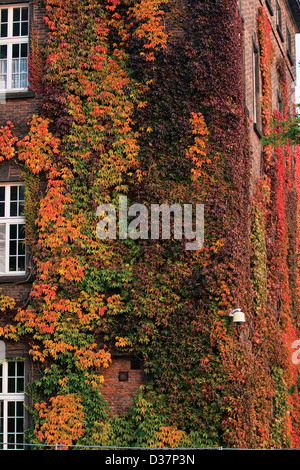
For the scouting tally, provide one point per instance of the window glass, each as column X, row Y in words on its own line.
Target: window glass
column 12, row 229
column 2, row 247
column 12, row 409
column 3, row 66
column 14, row 36
column 4, row 23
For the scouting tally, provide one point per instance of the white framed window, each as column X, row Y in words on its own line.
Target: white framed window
column 12, row 229
column 12, row 409
column 14, row 37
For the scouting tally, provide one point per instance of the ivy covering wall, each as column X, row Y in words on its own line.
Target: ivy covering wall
column 145, row 99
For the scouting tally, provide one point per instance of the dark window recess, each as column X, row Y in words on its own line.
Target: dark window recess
column 135, row 364
column 289, row 46
column 279, row 102
column 4, row 23
column 279, row 21
column 123, row 376
column 270, row 8
column 257, row 123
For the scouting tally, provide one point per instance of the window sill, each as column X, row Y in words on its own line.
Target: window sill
column 17, row 95
column 15, row 278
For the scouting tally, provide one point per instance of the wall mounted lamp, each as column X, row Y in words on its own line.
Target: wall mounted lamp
column 238, row 316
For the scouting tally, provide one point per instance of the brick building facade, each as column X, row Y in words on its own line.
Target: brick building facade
column 19, row 103
column 284, row 20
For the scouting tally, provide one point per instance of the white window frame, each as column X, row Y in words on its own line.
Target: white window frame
column 10, row 40
column 8, row 220
column 6, row 398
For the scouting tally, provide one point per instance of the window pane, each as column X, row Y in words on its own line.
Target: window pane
column 15, row 81
column 15, row 66
column 20, row 66
column 16, row 51
column 2, row 209
column 11, row 408
column 3, row 51
column 20, row 408
column 21, row 231
column 4, row 15
column 25, row 14
column 19, row 427
column 20, row 369
column 13, row 209
column 2, row 193
column 2, row 247
column 11, row 425
column 24, row 29
column 11, row 385
column 11, row 368
column 23, row 66
column 24, row 50
column 21, row 208
column 14, row 193
column 3, row 82
column 20, row 385
column 21, row 193
column 13, row 247
column 16, row 14
column 4, row 30
column 3, row 67
column 21, row 248
column 23, row 81
column 4, row 23
column 21, row 263
column 12, row 263
column 13, row 232
column 16, row 29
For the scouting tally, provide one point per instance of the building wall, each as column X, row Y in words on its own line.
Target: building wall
column 121, row 383
column 20, row 106
column 121, row 379
column 249, row 10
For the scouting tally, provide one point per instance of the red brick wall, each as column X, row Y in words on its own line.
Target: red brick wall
column 249, row 9
column 120, row 394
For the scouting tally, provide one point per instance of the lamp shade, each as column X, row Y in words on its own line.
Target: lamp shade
column 239, row 317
